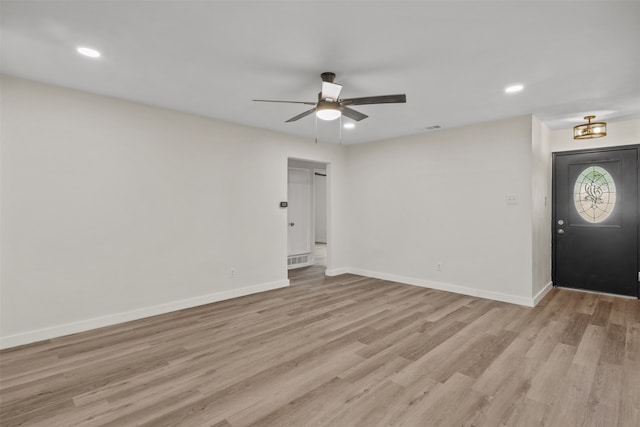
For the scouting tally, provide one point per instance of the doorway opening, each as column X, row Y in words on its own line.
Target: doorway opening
column 307, row 226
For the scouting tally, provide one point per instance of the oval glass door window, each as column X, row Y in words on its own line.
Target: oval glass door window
column 594, row 194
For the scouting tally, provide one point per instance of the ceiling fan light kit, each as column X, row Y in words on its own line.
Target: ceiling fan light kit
column 330, row 106
column 327, row 110
column 590, row 129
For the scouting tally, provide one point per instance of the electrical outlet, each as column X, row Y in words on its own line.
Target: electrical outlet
column 439, row 266
column 232, row 273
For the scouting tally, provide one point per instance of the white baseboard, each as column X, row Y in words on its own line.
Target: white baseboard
column 113, row 319
column 336, row 271
column 497, row 296
column 544, row 291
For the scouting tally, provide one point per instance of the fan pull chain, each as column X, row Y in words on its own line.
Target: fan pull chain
column 340, row 129
column 316, row 128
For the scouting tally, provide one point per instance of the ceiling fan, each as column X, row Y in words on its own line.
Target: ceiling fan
column 330, row 106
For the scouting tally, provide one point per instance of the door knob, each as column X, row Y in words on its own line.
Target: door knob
column 560, row 231
column 292, row 224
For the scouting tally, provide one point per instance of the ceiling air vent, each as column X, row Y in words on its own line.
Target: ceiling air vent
column 433, row 127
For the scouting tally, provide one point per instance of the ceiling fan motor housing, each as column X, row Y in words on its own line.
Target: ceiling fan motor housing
column 328, row 77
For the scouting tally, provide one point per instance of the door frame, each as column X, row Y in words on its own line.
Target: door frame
column 555, row 154
column 303, row 259
column 312, row 166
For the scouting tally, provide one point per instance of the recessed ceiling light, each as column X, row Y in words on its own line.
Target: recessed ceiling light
column 87, row 51
column 349, row 125
column 514, row 88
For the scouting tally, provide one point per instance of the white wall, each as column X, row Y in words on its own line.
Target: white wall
column 541, row 208
column 441, row 197
column 113, row 210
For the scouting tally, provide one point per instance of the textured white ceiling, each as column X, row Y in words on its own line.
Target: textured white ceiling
column 453, row 59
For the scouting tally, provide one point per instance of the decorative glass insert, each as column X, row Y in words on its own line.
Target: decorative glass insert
column 594, row 194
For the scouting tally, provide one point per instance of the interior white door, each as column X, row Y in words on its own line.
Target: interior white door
column 299, row 217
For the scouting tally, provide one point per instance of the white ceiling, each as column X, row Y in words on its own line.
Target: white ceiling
column 453, row 59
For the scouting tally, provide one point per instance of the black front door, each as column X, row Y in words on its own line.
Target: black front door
column 595, row 220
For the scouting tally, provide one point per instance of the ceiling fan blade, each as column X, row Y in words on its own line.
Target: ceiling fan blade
column 353, row 114
column 330, row 90
column 301, row 115
column 383, row 99
column 287, row 102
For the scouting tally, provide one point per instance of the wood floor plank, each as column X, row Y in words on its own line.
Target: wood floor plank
column 546, row 383
column 587, row 303
column 433, row 336
column 302, row 408
column 633, row 342
column 601, row 313
column 449, row 399
column 509, row 367
column 629, row 410
column 615, row 346
column 340, row 351
column 505, row 399
column 575, row 328
column 530, row 413
column 295, row 383
column 573, row 395
column 479, row 361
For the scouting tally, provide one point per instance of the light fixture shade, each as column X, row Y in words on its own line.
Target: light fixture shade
column 328, row 111
column 590, row 130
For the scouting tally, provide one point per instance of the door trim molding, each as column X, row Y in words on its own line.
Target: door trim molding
column 312, row 166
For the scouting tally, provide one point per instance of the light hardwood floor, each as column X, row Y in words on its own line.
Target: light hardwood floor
column 341, row 351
